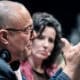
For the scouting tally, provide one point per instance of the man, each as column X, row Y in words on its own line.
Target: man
column 15, row 33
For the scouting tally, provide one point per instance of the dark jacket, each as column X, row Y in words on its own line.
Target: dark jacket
column 6, row 73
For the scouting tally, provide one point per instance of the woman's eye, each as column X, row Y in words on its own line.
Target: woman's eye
column 51, row 40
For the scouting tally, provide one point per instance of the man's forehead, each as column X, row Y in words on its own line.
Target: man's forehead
column 20, row 23
column 17, row 15
column 28, row 24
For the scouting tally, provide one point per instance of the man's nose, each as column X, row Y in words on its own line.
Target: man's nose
column 33, row 35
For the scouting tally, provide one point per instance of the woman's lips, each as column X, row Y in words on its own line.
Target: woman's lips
column 45, row 53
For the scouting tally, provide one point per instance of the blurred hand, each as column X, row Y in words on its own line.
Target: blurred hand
column 72, row 57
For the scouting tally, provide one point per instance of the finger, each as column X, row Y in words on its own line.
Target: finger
column 66, row 45
column 77, row 47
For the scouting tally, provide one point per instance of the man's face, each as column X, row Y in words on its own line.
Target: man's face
column 19, row 41
column 18, row 38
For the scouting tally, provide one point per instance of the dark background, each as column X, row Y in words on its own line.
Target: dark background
column 64, row 10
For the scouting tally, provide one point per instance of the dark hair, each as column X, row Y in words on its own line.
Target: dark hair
column 40, row 21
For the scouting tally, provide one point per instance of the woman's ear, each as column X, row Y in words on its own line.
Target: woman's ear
column 3, row 36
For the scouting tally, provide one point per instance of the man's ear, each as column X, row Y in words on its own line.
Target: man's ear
column 3, row 36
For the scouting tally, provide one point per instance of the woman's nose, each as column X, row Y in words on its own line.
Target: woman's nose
column 46, row 43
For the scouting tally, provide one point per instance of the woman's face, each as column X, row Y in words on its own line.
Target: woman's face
column 44, row 44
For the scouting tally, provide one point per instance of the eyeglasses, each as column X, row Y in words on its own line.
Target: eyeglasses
column 26, row 30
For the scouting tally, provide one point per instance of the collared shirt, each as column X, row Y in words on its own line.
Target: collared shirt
column 18, row 74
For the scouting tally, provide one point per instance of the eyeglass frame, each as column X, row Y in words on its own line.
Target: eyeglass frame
column 22, row 30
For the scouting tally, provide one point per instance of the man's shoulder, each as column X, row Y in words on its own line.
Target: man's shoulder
column 6, row 72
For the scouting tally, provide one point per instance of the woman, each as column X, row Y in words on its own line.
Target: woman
column 46, row 47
